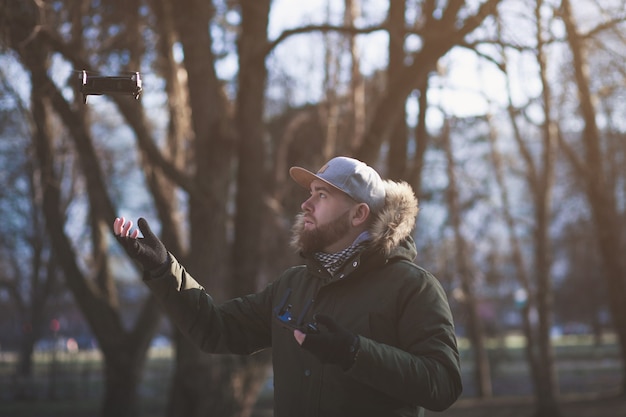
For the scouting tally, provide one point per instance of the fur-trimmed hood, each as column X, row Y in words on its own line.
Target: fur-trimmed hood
column 395, row 222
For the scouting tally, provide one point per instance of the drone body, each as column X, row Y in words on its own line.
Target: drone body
column 120, row 84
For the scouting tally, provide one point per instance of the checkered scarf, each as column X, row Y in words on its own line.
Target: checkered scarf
column 333, row 262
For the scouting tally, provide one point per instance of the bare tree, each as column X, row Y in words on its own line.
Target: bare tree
column 124, row 351
column 440, row 28
column 600, row 190
column 32, row 279
column 539, row 177
column 463, row 267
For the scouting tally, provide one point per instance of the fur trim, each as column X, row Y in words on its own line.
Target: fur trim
column 296, row 230
column 396, row 220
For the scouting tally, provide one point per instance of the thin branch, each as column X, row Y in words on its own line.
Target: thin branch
column 350, row 30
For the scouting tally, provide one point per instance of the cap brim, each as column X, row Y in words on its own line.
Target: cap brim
column 305, row 177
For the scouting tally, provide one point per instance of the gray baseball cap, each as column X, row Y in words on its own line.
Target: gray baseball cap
column 355, row 178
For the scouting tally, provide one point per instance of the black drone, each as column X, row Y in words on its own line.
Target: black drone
column 120, row 84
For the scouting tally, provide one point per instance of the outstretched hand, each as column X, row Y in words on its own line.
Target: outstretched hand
column 148, row 250
column 333, row 344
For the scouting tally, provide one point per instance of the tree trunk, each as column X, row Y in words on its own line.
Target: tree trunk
column 357, row 86
column 24, row 388
column 422, row 140
column 598, row 189
column 252, row 169
column 122, row 370
column 541, row 189
column 220, row 385
column 398, row 141
column 214, row 384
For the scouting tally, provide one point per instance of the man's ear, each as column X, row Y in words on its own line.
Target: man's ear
column 361, row 214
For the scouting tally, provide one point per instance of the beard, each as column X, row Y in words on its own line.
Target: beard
column 320, row 237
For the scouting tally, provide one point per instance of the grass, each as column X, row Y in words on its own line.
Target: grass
column 71, row 385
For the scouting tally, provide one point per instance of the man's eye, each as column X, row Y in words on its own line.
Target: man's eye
column 318, row 194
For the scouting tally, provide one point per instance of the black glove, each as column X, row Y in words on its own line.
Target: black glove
column 335, row 346
column 148, row 250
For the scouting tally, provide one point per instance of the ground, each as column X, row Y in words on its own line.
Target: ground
column 580, row 406
column 570, row 406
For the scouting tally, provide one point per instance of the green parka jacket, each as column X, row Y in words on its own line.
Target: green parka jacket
column 408, row 358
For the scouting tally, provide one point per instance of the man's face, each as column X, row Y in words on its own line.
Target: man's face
column 326, row 219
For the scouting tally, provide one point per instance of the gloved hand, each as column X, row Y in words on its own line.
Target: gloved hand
column 149, row 251
column 335, row 345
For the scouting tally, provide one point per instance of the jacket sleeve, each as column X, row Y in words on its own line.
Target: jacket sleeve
column 424, row 370
column 239, row 326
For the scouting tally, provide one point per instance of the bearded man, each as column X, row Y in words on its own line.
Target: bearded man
column 357, row 330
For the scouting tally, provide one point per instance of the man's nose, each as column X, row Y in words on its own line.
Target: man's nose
column 306, row 204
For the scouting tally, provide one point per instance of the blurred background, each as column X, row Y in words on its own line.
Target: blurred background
column 505, row 116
